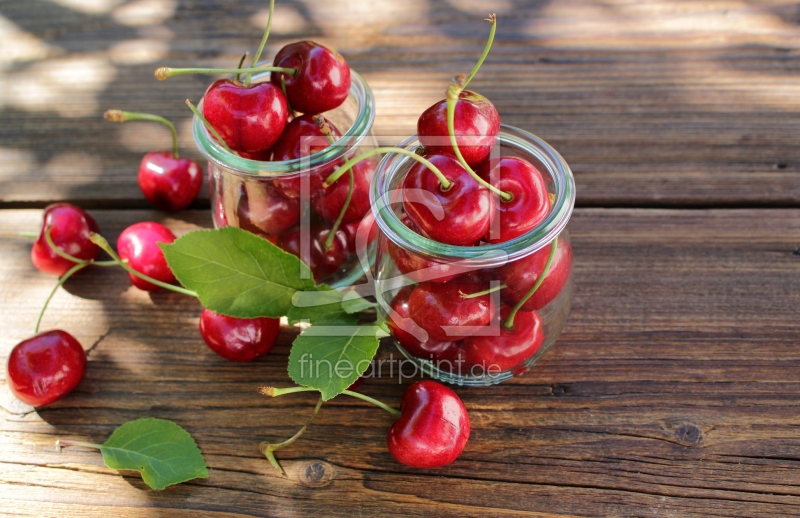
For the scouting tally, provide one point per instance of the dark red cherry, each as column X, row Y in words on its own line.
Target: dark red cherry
column 399, row 324
column 332, row 199
column 70, row 227
column 322, row 261
column 366, row 229
column 322, row 80
column 239, row 339
column 468, row 206
column 418, row 268
column 249, row 118
column 476, row 124
column 522, row 274
column 440, row 308
column 529, row 205
column 45, row 367
column 139, row 245
column 169, row 183
column 264, row 210
column 496, row 353
column 433, row 428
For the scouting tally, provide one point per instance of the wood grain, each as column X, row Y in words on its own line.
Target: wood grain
column 674, row 103
column 672, row 392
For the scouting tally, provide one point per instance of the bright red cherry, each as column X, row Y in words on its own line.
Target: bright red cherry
column 468, row 206
column 476, row 124
column 530, row 203
column 322, row 80
column 139, row 245
column 430, row 349
column 494, row 354
column 322, row 261
column 522, row 274
column 332, row 199
column 169, row 183
column 433, row 428
column 45, row 367
column 249, row 118
column 416, row 267
column 441, row 310
column 239, row 339
column 70, row 227
column 264, row 210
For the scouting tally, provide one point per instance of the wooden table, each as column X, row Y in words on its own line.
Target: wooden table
column 674, row 388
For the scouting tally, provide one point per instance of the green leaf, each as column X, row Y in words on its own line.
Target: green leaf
column 352, row 302
column 320, row 306
column 331, row 358
column 237, row 273
column 163, row 452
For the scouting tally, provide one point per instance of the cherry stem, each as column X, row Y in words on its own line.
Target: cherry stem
column 102, row 243
column 509, row 323
column 492, row 19
column 76, row 268
column 452, row 98
column 71, row 258
column 326, row 130
column 283, row 89
column 275, row 392
column 60, row 443
column 445, row 183
column 269, row 449
column 209, row 127
column 263, row 42
column 32, row 235
column 165, row 72
column 121, row 116
column 241, row 62
column 482, row 293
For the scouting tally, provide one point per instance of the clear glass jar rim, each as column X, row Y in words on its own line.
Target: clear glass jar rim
column 489, row 255
column 212, row 151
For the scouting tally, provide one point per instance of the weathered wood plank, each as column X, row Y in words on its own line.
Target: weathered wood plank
column 673, row 390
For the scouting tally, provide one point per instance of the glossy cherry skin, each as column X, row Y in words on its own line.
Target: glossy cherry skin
column 239, row 339
column 416, row 267
column 139, row 245
column 366, row 228
column 331, row 200
column 249, row 119
column 70, row 227
column 169, row 183
column 322, row 81
column 468, row 206
column 494, row 354
column 264, row 210
column 476, row 123
column 322, row 262
column 430, row 349
column 529, row 205
column 522, row 274
column 45, row 367
column 434, row 305
column 433, row 428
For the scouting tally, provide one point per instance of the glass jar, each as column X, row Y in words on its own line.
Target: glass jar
column 284, row 201
column 407, row 263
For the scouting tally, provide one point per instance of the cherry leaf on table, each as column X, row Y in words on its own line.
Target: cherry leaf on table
column 163, row 452
column 330, row 358
column 237, row 273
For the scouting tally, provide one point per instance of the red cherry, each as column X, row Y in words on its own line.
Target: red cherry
column 322, row 261
column 169, row 183
column 433, row 428
column 429, row 350
column 322, row 80
column 521, row 275
column 530, row 203
column 468, row 206
column 418, row 268
column 70, row 227
column 476, row 124
column 332, row 199
column 264, row 210
column 45, row 367
column 436, row 305
column 139, row 245
column 352, row 230
column 239, row 339
column 249, row 118
column 511, row 347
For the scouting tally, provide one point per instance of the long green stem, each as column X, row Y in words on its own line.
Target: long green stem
column 239, row 67
column 61, row 443
column 482, row 293
column 509, row 323
column 33, row 235
column 445, row 183
column 209, row 127
column 492, row 19
column 270, row 449
column 121, row 116
column 263, row 42
column 48, row 238
column 61, row 280
column 165, row 72
column 326, row 130
column 288, row 105
column 275, row 392
column 102, row 243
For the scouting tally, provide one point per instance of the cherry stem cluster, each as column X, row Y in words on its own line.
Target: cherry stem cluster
column 262, row 44
column 209, row 127
column 122, row 116
column 165, row 72
column 269, row 449
column 275, row 392
column 509, row 323
column 445, row 183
